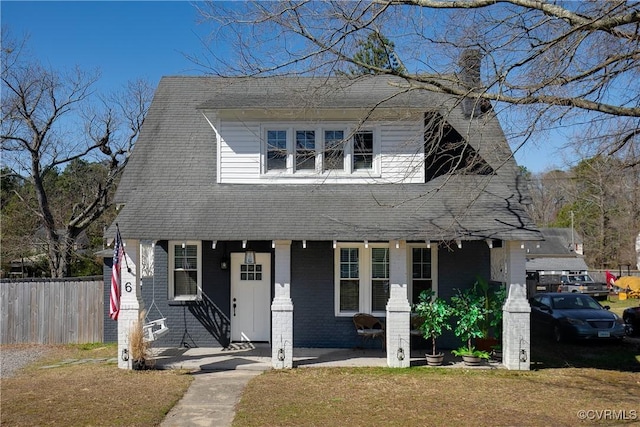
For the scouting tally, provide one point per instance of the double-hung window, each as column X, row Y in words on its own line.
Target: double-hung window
column 276, row 150
column 423, row 271
column 362, row 278
column 185, row 270
column 329, row 148
column 363, row 150
column 333, row 155
column 305, row 150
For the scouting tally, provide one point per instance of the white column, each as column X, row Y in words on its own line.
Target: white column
column 131, row 302
column 516, row 323
column 282, row 309
column 398, row 309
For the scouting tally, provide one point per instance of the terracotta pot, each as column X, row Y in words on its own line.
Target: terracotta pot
column 435, row 359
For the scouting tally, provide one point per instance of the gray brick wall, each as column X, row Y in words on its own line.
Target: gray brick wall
column 457, row 268
column 205, row 323
column 312, row 292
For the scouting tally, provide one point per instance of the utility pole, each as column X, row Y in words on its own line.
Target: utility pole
column 573, row 243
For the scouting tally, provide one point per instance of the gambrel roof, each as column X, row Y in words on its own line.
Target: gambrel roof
column 169, row 190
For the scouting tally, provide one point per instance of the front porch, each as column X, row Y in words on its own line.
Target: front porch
column 257, row 357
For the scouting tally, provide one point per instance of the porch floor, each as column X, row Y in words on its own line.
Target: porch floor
column 257, row 357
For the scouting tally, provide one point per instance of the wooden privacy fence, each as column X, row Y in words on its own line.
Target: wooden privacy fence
column 52, row 311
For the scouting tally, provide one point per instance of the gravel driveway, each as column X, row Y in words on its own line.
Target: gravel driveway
column 14, row 358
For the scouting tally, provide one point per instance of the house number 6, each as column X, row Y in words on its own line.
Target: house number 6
column 127, row 287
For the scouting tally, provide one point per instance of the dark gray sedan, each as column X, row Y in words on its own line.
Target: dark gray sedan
column 564, row 316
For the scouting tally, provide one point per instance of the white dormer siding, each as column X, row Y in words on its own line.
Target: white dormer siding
column 390, row 151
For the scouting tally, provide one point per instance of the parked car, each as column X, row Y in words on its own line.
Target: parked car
column 584, row 284
column 631, row 317
column 565, row 316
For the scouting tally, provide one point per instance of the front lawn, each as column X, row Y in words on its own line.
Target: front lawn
column 437, row 397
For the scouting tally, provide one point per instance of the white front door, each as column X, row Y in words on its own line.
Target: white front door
column 250, row 298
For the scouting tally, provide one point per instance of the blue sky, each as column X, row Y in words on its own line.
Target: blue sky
column 128, row 40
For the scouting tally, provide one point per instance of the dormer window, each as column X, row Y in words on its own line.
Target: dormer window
column 305, row 151
column 363, row 150
column 333, row 156
column 276, row 150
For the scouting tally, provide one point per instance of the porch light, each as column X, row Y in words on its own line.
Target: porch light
column 184, row 245
column 335, row 243
column 304, row 244
column 250, row 257
column 428, row 244
column 273, row 244
column 459, row 243
column 213, row 244
column 244, row 244
column 523, row 355
column 397, row 244
column 366, row 244
column 489, row 243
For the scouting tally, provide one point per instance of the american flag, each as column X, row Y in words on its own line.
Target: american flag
column 114, row 308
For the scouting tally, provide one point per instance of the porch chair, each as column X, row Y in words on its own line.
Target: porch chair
column 369, row 327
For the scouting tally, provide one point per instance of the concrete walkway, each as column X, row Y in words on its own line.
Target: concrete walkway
column 220, row 376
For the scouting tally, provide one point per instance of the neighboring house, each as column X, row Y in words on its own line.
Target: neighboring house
column 561, row 250
column 279, row 207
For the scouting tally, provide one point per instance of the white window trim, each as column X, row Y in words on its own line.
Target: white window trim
column 347, row 171
column 365, row 290
column 172, row 245
column 434, row 268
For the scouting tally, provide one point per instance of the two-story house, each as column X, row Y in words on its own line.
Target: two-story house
column 274, row 209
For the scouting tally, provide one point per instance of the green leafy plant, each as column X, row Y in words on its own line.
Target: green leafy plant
column 470, row 351
column 494, row 298
column 470, row 311
column 435, row 313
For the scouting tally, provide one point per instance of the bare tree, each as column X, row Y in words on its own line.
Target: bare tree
column 50, row 119
column 559, row 63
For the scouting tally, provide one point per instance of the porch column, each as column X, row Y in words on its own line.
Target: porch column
column 282, row 309
column 516, row 327
column 131, row 302
column 398, row 308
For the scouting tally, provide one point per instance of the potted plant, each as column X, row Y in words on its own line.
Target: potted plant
column 434, row 313
column 139, row 348
column 469, row 309
column 491, row 324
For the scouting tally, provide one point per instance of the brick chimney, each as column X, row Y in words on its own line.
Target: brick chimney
column 469, row 63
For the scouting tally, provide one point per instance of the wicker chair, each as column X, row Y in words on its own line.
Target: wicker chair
column 369, row 327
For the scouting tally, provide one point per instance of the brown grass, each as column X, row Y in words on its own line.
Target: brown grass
column 94, row 393
column 434, row 397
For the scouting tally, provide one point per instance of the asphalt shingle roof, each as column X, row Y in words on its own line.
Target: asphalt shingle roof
column 169, row 189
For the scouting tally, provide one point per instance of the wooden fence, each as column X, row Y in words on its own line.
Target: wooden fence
column 52, row 311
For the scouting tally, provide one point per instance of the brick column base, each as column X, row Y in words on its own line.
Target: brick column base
column 516, row 327
column 282, row 333
column 397, row 329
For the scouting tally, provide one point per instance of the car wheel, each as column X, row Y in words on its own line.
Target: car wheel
column 557, row 333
